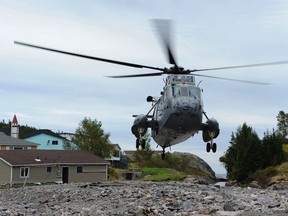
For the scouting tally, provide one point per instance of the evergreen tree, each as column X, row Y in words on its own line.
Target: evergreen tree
column 144, row 156
column 243, row 156
column 282, row 125
column 26, row 130
column 272, row 150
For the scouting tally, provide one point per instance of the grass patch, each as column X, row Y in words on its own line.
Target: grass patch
column 162, row 174
column 285, row 148
column 196, row 172
column 271, row 175
column 282, row 173
column 283, row 169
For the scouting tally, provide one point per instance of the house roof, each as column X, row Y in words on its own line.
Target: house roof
column 37, row 157
column 11, row 141
column 44, row 131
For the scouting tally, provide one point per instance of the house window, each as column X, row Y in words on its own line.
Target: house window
column 16, row 148
column 49, row 169
column 24, row 172
column 54, row 142
column 79, row 169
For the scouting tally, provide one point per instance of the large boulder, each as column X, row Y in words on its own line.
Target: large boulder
column 197, row 163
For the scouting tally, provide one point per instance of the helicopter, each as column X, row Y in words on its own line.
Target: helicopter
column 177, row 114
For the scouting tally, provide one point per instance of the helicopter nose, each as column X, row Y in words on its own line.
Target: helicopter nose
column 186, row 108
column 189, row 106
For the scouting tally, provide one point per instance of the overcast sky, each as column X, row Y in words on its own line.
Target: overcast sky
column 53, row 91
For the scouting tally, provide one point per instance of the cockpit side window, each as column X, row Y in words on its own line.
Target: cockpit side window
column 169, row 91
column 176, row 90
column 194, row 91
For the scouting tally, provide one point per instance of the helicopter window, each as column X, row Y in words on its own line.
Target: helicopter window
column 169, row 91
column 175, row 91
column 194, row 91
column 180, row 91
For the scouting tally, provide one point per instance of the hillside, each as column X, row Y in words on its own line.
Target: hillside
column 176, row 167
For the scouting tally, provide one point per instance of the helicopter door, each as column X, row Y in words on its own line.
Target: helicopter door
column 159, row 110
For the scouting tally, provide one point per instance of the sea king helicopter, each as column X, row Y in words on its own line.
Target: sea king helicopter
column 178, row 113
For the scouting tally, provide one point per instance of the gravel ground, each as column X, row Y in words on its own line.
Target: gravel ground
column 143, row 198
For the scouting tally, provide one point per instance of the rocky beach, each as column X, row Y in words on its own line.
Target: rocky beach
column 143, row 198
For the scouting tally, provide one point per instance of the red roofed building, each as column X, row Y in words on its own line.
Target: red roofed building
column 41, row 166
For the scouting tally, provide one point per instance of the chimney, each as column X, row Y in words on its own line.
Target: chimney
column 15, row 128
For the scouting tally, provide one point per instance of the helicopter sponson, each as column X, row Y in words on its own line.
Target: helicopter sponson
column 140, row 125
column 210, row 130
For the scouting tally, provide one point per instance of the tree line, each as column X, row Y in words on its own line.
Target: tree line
column 248, row 153
column 23, row 129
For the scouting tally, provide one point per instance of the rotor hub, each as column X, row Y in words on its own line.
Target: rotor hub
column 176, row 70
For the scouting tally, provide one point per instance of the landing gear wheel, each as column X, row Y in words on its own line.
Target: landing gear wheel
column 137, row 143
column 214, row 147
column 143, row 143
column 208, row 147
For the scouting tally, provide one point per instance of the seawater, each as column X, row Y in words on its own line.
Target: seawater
column 222, row 176
column 221, row 183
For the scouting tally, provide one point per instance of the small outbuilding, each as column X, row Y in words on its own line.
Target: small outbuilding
column 43, row 166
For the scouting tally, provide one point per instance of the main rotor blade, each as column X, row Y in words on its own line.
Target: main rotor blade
column 242, row 66
column 90, row 57
column 137, row 75
column 235, row 80
column 164, row 26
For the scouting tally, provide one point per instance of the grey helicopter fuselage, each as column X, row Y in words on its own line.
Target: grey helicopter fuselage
column 178, row 112
column 177, row 115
